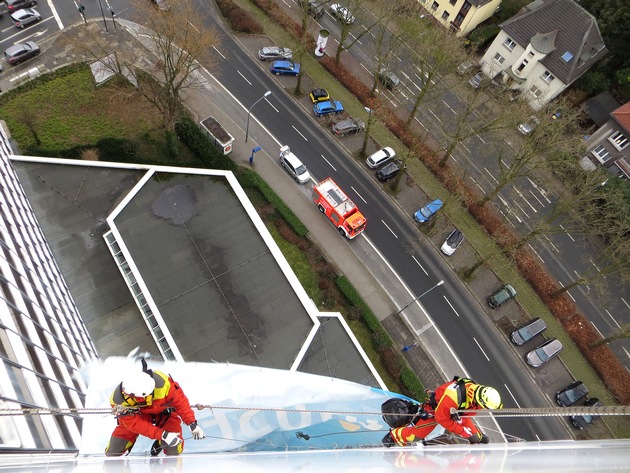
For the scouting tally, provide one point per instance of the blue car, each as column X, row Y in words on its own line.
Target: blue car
column 426, row 212
column 287, row 68
column 327, row 107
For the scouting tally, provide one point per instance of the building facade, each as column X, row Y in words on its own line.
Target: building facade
column 462, row 16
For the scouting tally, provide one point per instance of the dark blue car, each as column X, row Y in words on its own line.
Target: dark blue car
column 286, row 68
column 327, row 107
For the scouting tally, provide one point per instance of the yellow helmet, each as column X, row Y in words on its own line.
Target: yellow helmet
column 488, row 397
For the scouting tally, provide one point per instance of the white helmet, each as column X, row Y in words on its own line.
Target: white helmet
column 138, row 384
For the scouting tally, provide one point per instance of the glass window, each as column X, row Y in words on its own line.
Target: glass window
column 508, row 43
column 452, row 2
column 435, row 6
column 522, row 66
column 601, row 154
column 466, row 6
column 536, row 92
column 619, row 140
column 498, row 58
column 445, row 15
column 547, row 77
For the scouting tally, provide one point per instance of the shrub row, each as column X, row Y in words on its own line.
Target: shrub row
column 190, row 133
column 240, row 20
column 383, row 343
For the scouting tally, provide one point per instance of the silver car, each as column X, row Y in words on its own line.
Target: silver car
column 25, row 17
column 271, row 53
column 543, row 353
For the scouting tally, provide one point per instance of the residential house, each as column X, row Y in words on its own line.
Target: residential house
column 609, row 146
column 544, row 49
column 463, row 16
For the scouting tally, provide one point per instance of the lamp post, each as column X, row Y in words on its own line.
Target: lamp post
column 267, row 94
column 424, row 293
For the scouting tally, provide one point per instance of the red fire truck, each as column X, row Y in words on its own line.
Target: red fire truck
column 340, row 210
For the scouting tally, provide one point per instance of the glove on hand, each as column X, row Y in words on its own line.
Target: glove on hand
column 171, row 439
column 475, row 438
column 197, row 433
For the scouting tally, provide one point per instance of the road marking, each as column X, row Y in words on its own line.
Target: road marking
column 624, row 301
column 477, row 184
column 566, row 292
column 490, row 174
column 596, row 267
column 515, row 401
column 613, row 319
column 465, row 148
column 549, row 241
column 536, row 253
column 628, row 354
column 298, row 132
column 539, row 189
column 480, row 138
column 329, row 163
column 365, row 201
column 536, row 197
column 387, row 226
column 418, row 263
column 449, row 107
column 239, row 73
column 484, row 353
column 271, row 105
column 598, row 331
column 523, row 197
column 421, row 124
column 366, row 69
column 431, row 112
column 451, row 306
column 517, row 204
column 572, row 239
column 505, row 164
column 219, row 52
column 355, row 38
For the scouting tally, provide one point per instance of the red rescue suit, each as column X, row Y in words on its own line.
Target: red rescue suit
column 451, row 396
column 169, row 407
column 417, row 431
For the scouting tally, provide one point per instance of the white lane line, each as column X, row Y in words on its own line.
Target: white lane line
column 366, row 69
column 477, row 184
column 451, row 306
column 298, row 132
column 536, row 253
column 552, row 245
column 522, row 210
column 329, row 163
column 418, row 263
column 481, row 139
column 431, row 112
column 613, row 319
column 505, row 164
column 539, row 189
column 628, row 354
column 566, row 292
column 465, row 148
column 536, row 197
column 569, row 235
column 245, row 78
column 598, row 330
column 624, row 301
column 527, row 201
column 490, row 174
column 596, row 267
column 484, row 353
column 421, row 124
column 510, row 391
column 271, row 105
column 449, row 107
column 387, row 226
column 365, row 201
column 219, row 52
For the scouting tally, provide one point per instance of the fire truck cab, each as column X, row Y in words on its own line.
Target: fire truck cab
column 340, row 210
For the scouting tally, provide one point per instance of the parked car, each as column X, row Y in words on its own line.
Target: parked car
column 328, row 107
column 388, row 79
column 342, row 13
column 583, row 421
column 314, row 8
column 25, row 17
column 20, row 52
column 390, row 170
column 527, row 332
column 425, row 213
column 477, row 80
column 527, row 128
column 286, row 68
column 293, row 165
column 572, row 394
column 319, row 95
column 271, row 53
column 348, row 127
column 543, row 353
column 465, row 67
column 380, row 157
column 452, row 242
column 14, row 5
column 503, row 295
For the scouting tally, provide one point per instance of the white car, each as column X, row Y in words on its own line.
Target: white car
column 293, row 165
column 527, row 128
column 380, row 158
column 342, row 13
column 452, row 242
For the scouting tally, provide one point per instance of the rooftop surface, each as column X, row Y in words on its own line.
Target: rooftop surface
column 201, row 257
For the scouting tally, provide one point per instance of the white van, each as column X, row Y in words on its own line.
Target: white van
column 381, row 157
column 293, row 165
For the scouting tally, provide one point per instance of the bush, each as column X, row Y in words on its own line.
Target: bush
column 240, row 20
column 198, row 142
column 594, row 82
column 172, row 143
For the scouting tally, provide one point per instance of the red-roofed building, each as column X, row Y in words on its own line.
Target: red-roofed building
column 609, row 146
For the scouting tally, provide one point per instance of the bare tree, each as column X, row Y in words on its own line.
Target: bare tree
column 348, row 36
column 623, row 332
column 180, row 43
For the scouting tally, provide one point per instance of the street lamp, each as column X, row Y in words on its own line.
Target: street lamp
column 267, row 94
column 424, row 293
